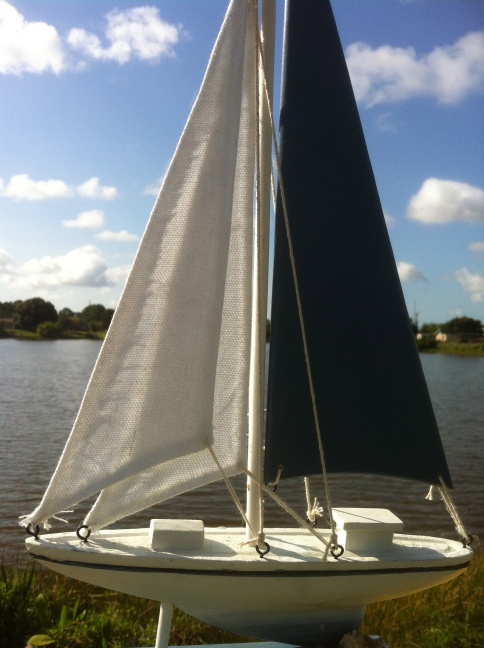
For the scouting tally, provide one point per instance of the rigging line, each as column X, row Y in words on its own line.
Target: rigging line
column 454, row 513
column 298, row 299
column 292, row 512
column 230, row 488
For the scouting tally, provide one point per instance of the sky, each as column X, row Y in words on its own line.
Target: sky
column 94, row 95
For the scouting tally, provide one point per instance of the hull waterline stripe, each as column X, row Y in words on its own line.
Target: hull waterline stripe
column 280, row 573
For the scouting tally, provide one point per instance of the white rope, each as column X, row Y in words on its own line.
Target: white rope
column 299, row 306
column 313, row 509
column 231, row 490
column 454, row 513
column 328, row 544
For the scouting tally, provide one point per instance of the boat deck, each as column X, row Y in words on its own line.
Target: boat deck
column 224, row 548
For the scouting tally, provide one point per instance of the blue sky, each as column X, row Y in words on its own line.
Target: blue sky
column 94, row 95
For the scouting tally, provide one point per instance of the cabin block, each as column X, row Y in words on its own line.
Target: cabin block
column 172, row 535
column 366, row 529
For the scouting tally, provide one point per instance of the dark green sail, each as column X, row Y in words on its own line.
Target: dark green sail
column 374, row 408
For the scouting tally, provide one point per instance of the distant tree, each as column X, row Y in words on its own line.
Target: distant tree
column 96, row 317
column 430, row 328
column 108, row 317
column 66, row 312
column 68, row 320
column 7, row 310
column 466, row 328
column 32, row 312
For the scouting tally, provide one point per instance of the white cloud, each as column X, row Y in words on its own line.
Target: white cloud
column 154, row 189
column 393, row 74
column 471, row 283
column 92, row 189
column 21, row 187
column 477, row 246
column 386, row 123
column 389, row 220
column 33, row 47
column 118, row 275
column 7, row 264
column 445, row 201
column 86, row 220
column 83, row 266
column 408, row 272
column 135, row 33
column 456, row 312
column 36, row 47
column 121, row 237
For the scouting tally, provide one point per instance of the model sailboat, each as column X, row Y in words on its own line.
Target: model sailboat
column 166, row 408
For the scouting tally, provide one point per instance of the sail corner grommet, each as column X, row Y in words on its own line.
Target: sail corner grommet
column 83, row 536
column 33, row 530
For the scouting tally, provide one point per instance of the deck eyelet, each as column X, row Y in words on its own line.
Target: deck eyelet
column 337, row 551
column 261, row 552
column 81, row 536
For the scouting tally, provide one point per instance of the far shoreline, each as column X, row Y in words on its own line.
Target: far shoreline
column 469, row 349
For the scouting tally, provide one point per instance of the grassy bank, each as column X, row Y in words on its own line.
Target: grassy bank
column 449, row 348
column 34, row 601
column 20, row 334
column 458, row 348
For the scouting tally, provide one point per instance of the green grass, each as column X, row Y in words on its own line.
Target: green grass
column 448, row 616
column 35, row 601
column 458, row 348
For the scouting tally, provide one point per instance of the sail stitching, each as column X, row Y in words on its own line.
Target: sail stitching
column 298, row 298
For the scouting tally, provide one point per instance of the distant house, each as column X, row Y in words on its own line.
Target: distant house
column 439, row 336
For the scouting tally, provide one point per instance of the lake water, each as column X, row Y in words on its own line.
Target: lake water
column 42, row 385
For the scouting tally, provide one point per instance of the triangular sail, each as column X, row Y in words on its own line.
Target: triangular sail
column 171, row 374
column 374, row 408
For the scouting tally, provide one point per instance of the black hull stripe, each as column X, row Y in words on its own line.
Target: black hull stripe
column 280, row 573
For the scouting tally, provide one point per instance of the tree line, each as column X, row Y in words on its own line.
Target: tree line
column 466, row 329
column 39, row 316
column 459, row 329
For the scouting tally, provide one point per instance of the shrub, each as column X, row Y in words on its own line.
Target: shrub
column 49, row 330
column 426, row 343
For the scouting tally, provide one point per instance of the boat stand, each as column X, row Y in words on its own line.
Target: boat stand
column 164, row 625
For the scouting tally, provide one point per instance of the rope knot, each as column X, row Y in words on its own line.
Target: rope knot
column 314, row 512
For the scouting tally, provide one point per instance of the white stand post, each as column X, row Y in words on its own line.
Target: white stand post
column 164, row 625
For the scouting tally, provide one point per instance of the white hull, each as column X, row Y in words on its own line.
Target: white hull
column 291, row 595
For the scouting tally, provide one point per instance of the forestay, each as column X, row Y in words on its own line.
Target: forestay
column 172, row 373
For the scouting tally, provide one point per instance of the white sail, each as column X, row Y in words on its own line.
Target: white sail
column 172, row 373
